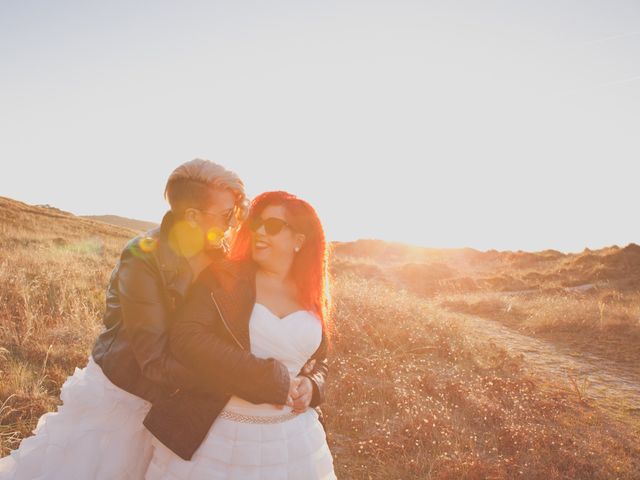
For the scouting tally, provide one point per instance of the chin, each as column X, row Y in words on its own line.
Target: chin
column 258, row 255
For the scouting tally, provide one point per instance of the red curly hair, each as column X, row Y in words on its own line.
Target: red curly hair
column 310, row 265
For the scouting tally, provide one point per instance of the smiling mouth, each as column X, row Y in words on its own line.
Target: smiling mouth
column 261, row 245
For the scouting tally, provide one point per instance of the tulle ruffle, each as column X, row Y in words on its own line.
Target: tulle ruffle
column 96, row 434
column 295, row 449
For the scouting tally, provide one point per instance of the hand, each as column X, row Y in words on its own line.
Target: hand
column 302, row 397
column 308, row 367
column 293, row 392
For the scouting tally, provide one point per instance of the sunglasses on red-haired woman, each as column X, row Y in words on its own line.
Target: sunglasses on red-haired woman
column 272, row 225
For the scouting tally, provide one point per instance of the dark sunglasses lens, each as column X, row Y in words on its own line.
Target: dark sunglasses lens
column 273, row 226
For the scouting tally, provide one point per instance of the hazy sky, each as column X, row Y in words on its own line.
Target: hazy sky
column 508, row 125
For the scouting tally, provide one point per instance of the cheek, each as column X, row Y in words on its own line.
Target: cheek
column 217, row 226
column 257, row 253
column 284, row 247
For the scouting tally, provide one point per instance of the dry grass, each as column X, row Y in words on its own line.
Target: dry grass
column 53, row 272
column 415, row 397
column 601, row 321
column 410, row 394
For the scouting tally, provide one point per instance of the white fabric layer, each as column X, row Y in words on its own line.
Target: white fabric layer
column 290, row 450
column 96, row 434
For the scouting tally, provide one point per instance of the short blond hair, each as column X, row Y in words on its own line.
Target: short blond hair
column 190, row 185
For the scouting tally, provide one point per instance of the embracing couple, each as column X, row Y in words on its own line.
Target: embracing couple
column 212, row 362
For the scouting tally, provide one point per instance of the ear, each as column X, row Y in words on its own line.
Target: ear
column 299, row 241
column 191, row 216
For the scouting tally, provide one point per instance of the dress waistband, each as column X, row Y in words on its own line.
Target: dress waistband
column 239, row 417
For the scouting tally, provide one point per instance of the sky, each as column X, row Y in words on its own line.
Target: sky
column 510, row 125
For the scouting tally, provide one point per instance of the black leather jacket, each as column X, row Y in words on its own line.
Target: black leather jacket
column 211, row 329
column 147, row 285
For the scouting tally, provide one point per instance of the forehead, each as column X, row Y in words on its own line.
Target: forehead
column 222, row 199
column 277, row 211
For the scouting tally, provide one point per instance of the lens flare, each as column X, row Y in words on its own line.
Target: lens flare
column 186, row 239
column 148, row 244
column 215, row 237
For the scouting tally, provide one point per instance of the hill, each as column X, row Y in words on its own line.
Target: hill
column 429, row 270
column 131, row 224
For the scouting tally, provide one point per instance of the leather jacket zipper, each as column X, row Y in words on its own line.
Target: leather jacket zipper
column 224, row 321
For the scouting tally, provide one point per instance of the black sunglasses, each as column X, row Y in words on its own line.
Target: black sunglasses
column 227, row 217
column 272, row 225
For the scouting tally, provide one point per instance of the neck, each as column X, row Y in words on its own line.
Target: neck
column 199, row 262
column 273, row 274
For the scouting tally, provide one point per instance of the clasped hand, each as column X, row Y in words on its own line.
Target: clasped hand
column 300, row 393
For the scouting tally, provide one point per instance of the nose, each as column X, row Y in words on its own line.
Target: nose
column 259, row 236
column 262, row 231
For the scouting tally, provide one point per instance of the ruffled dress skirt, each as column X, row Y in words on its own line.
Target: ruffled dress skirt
column 294, row 449
column 259, row 441
column 97, row 434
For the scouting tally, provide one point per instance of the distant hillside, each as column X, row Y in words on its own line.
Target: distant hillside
column 37, row 225
column 430, row 270
column 130, row 223
column 420, row 269
column 22, row 215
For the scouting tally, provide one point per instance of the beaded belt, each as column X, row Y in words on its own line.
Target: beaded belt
column 238, row 417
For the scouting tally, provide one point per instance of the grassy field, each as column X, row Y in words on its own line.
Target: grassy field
column 413, row 391
column 589, row 302
column 603, row 322
column 415, row 396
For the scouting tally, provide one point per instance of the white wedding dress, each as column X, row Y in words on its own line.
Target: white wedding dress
column 238, row 448
column 96, row 434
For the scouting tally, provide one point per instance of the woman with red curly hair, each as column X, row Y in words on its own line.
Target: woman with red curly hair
column 307, row 277
column 277, row 273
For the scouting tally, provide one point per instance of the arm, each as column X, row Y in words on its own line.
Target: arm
column 318, row 373
column 145, row 321
column 218, row 362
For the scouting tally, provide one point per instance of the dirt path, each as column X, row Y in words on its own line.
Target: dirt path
column 611, row 386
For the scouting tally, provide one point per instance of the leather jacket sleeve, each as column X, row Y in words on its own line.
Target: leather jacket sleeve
column 199, row 341
column 318, row 373
column 146, row 323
